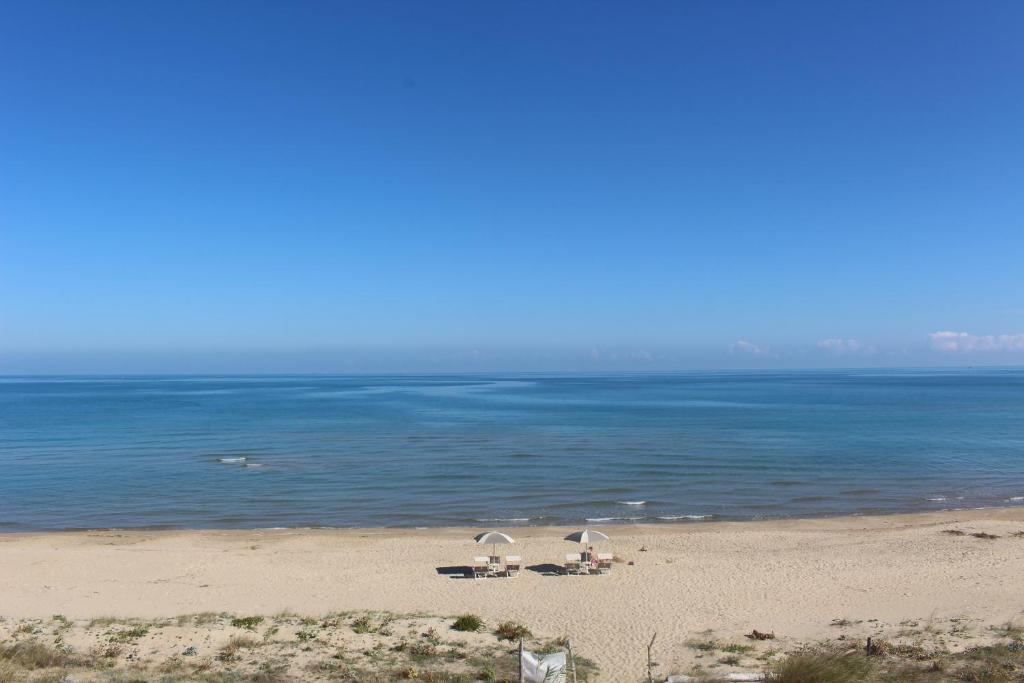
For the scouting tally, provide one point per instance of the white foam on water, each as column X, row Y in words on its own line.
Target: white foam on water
column 631, row 502
column 232, row 460
column 673, row 518
column 504, row 519
column 613, row 519
column 254, row 464
column 937, row 499
column 1015, row 499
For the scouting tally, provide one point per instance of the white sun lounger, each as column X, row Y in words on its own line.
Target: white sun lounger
column 573, row 563
column 604, row 563
column 513, row 563
column 481, row 567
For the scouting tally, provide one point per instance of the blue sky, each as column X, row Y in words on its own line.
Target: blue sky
column 324, row 186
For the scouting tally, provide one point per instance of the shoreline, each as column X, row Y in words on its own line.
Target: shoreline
column 794, row 577
column 683, row 522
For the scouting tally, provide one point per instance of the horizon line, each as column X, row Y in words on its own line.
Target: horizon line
column 379, row 373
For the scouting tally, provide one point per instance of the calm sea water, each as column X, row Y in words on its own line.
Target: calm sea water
column 500, row 450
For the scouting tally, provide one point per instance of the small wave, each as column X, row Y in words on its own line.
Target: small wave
column 937, row 499
column 504, row 519
column 613, row 519
column 254, row 464
column 232, row 460
column 1015, row 499
column 631, row 502
column 674, row 518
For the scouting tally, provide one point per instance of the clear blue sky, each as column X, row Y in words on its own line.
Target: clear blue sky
column 342, row 186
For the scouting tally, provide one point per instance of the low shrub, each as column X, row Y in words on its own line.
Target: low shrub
column 468, row 622
column 363, row 624
column 230, row 650
column 818, row 667
column 511, row 630
column 32, row 654
column 248, row 623
column 129, row 635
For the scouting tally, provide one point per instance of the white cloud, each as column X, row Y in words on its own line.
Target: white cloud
column 743, row 346
column 954, row 342
column 843, row 347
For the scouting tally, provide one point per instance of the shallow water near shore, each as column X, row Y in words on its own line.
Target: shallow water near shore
column 504, row 450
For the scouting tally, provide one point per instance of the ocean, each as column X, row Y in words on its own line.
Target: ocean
column 500, row 450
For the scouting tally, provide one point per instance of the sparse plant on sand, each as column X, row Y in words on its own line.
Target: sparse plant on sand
column 511, row 630
column 703, row 644
column 229, row 652
column 248, row 623
column 363, row 624
column 33, row 654
column 468, row 623
column 488, row 674
column 129, row 635
column 821, row 667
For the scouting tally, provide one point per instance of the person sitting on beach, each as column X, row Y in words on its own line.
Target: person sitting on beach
column 591, row 557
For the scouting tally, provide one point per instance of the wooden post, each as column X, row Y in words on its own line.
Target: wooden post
column 650, row 665
column 521, row 679
column 572, row 660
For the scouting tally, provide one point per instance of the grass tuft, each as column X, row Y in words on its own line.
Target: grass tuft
column 821, row 667
column 469, row 623
column 511, row 630
column 230, row 651
column 32, row 654
column 129, row 635
column 248, row 623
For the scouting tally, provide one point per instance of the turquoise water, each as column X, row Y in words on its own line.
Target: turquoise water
column 501, row 450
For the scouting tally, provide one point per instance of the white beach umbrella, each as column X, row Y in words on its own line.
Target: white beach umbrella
column 586, row 536
column 494, row 538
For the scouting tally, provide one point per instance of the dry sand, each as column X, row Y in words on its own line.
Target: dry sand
column 791, row 577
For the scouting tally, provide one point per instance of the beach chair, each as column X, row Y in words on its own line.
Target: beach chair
column 572, row 563
column 604, row 563
column 513, row 563
column 481, row 567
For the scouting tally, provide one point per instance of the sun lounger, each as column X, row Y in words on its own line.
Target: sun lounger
column 572, row 563
column 513, row 563
column 481, row 567
column 604, row 563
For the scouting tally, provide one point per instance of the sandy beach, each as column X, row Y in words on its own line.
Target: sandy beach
column 801, row 579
